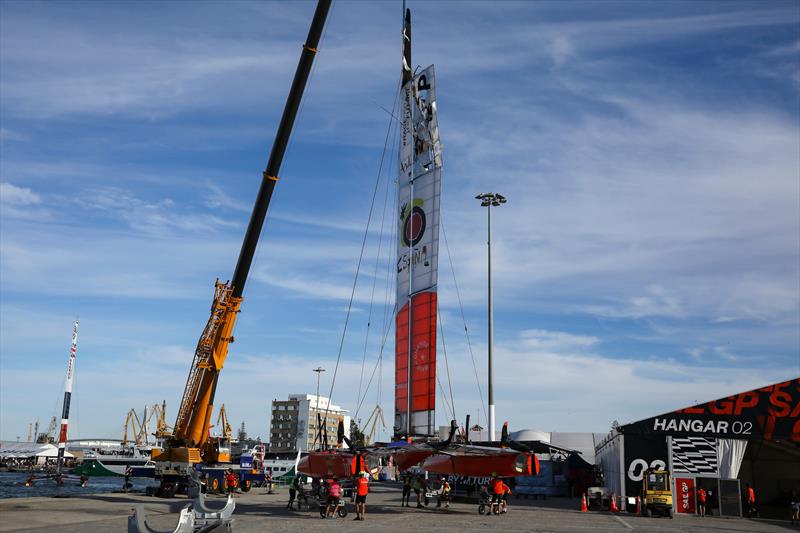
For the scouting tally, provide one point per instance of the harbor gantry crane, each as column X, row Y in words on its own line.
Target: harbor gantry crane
column 372, row 423
column 132, row 421
column 187, row 445
column 48, row 437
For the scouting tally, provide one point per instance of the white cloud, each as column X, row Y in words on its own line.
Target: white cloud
column 14, row 196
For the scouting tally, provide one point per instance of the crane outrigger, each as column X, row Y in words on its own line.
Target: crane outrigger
column 187, row 444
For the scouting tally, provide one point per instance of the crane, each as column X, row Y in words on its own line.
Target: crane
column 48, row 436
column 162, row 429
column 371, row 424
column 227, row 431
column 132, row 421
column 188, row 443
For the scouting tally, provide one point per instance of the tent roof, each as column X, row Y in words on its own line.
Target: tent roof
column 29, row 449
column 766, row 413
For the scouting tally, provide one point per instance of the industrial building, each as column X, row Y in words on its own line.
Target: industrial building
column 293, row 424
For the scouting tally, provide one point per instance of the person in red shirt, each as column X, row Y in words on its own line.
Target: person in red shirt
column 701, row 501
column 362, row 489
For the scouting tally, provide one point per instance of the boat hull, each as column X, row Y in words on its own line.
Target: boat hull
column 505, row 465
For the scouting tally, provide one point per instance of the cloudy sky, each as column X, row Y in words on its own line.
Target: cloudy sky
column 648, row 258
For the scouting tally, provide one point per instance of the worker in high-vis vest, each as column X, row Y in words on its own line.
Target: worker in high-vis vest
column 362, row 489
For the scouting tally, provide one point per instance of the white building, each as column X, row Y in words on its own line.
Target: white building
column 293, row 424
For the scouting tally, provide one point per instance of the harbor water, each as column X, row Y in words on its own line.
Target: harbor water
column 12, row 485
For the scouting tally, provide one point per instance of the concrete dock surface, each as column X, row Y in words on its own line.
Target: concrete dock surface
column 258, row 511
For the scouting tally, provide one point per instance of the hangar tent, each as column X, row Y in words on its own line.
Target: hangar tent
column 748, row 438
column 27, row 450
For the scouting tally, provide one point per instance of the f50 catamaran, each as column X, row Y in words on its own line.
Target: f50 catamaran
column 419, row 191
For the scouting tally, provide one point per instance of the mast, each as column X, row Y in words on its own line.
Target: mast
column 419, row 186
column 408, row 81
column 62, row 436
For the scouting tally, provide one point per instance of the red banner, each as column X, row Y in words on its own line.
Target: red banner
column 684, row 488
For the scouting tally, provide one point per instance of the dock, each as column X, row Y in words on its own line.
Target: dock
column 257, row 511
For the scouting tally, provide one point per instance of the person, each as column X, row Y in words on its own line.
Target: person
column 496, row 490
column 334, row 491
column 406, row 490
column 270, row 484
column 418, row 487
column 230, row 480
column 506, row 493
column 701, row 501
column 795, row 507
column 362, row 489
column 293, row 491
column 750, row 500
column 444, row 493
column 128, row 474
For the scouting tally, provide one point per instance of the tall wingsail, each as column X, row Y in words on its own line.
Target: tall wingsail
column 419, row 185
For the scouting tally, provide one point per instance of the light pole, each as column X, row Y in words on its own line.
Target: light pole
column 319, row 370
column 489, row 200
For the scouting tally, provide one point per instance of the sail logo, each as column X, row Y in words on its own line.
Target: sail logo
column 412, row 222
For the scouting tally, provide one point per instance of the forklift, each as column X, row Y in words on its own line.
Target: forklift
column 656, row 493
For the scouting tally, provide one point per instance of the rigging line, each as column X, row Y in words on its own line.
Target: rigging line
column 444, row 398
column 358, row 267
column 372, row 376
column 446, row 363
column 389, row 311
column 377, row 262
column 464, row 319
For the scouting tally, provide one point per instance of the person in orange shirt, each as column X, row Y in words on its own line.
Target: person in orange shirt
column 362, row 489
column 496, row 490
column 701, row 501
column 750, row 499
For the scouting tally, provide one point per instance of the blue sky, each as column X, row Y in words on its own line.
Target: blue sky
column 648, row 258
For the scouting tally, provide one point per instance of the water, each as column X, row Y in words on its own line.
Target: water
column 12, row 485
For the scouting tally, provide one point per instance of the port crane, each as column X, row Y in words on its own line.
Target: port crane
column 132, row 421
column 47, row 437
column 187, row 444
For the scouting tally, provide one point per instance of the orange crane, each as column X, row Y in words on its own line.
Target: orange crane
column 187, row 444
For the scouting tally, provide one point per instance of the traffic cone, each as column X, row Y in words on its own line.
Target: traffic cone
column 614, row 508
column 638, row 506
column 584, row 507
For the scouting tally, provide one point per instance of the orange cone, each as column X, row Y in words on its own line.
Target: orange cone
column 584, row 507
column 614, row 508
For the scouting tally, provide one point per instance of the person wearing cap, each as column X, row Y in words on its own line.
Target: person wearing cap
column 362, row 489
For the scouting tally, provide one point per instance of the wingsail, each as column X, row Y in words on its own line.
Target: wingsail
column 419, row 190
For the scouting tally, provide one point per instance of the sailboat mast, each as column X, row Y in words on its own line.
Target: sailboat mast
column 408, row 78
column 62, row 436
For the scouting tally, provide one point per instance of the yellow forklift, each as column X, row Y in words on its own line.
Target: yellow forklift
column 656, row 493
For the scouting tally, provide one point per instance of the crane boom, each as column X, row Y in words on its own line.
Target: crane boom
column 194, row 413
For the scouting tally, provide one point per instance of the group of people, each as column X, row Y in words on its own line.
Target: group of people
column 330, row 491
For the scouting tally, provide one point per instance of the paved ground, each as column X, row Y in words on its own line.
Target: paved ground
column 257, row 511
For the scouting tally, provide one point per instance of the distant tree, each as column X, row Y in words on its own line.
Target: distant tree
column 242, row 433
column 356, row 435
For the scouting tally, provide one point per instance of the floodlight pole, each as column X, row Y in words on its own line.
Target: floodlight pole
column 488, row 200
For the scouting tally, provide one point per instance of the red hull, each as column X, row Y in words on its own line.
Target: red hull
column 505, row 465
column 326, row 464
column 406, row 460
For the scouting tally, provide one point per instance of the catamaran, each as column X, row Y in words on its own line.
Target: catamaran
column 419, row 192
